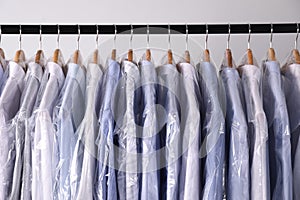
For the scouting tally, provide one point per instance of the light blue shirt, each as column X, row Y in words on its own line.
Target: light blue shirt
column 22, row 169
column 9, row 106
column 168, row 79
column 45, row 154
column 190, row 129
column 82, row 168
column 68, row 115
column 125, row 101
column 257, row 132
column 238, row 166
column 212, row 149
column 291, row 75
column 106, row 182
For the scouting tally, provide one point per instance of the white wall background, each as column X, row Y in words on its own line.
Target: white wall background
column 154, row 11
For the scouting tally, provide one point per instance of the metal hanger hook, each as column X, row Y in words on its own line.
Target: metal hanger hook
column 97, row 36
column 206, row 36
column 169, row 36
column 115, row 37
column 186, row 37
column 40, row 40
column 58, row 35
column 228, row 37
column 271, row 36
column 131, row 35
column 297, row 35
column 249, row 36
column 20, row 37
column 78, row 38
column 148, row 37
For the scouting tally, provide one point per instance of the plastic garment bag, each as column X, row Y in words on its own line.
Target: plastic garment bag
column 9, row 106
column 279, row 132
column 190, row 128
column 82, row 171
column 257, row 131
column 212, row 149
column 106, row 182
column 237, row 169
column 168, row 79
column 150, row 127
column 127, row 99
column 22, row 169
column 291, row 75
column 45, row 156
column 68, row 114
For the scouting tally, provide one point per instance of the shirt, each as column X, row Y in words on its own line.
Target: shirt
column 3, row 75
column 69, row 114
column 150, row 128
column 106, row 183
column 45, row 155
column 278, row 132
column 212, row 149
column 22, row 168
column 9, row 106
column 84, row 160
column 257, row 132
column 238, row 171
column 168, row 98
column 125, row 100
column 190, row 128
column 291, row 75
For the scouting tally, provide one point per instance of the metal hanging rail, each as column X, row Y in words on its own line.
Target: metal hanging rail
column 142, row 29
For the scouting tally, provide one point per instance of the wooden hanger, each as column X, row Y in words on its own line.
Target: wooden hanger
column 39, row 54
column 296, row 56
column 76, row 56
column 2, row 54
column 229, row 57
column 95, row 57
column 20, row 55
column 113, row 54
column 187, row 56
column 170, row 54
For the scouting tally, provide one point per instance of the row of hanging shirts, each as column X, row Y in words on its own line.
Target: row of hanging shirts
column 70, row 132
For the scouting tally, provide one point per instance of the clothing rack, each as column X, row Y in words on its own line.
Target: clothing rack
column 142, row 28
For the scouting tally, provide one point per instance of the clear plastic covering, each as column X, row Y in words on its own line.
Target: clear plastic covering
column 251, row 76
column 22, row 169
column 168, row 80
column 237, row 150
column 67, row 115
column 9, row 106
column 150, row 140
column 45, row 154
column 291, row 81
column 212, row 151
column 278, row 132
column 106, row 182
column 125, row 102
column 190, row 131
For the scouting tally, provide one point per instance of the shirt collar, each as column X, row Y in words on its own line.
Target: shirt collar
column 35, row 70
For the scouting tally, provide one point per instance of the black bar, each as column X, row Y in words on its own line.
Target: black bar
column 154, row 29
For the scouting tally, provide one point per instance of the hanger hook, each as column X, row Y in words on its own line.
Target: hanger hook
column 271, row 36
column 206, row 36
column 78, row 38
column 228, row 37
column 249, row 36
column 131, row 35
column 297, row 35
column 115, row 37
column 20, row 37
column 169, row 36
column 186, row 37
column 97, row 36
column 148, row 37
column 40, row 41
column 58, row 35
